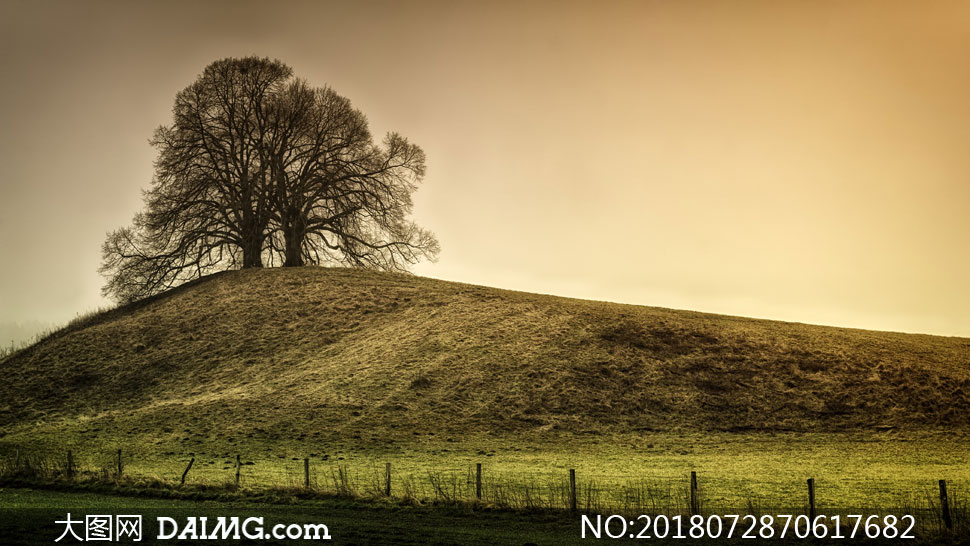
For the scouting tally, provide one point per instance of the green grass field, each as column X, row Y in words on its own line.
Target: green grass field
column 875, row 472
column 28, row 516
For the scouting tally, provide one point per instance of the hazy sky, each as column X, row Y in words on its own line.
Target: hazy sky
column 805, row 161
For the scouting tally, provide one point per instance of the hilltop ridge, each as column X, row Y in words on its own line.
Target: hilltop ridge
column 343, row 352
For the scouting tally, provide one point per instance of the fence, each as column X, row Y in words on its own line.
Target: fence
column 939, row 508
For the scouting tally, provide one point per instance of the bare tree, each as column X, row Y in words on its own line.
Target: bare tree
column 340, row 198
column 259, row 167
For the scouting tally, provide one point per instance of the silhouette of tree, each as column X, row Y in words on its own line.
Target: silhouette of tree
column 338, row 196
column 259, row 167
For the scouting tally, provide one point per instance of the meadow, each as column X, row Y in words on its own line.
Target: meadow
column 741, row 473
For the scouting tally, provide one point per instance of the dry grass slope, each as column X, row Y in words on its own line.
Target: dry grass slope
column 313, row 353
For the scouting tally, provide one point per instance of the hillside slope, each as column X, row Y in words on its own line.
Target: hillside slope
column 276, row 353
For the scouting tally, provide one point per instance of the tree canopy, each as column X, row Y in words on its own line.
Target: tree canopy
column 260, row 168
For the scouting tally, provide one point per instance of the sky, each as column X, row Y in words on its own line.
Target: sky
column 800, row 161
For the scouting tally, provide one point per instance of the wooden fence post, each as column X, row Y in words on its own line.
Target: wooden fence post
column 811, row 500
column 694, row 502
column 387, row 480
column 238, row 466
column 70, row 464
column 306, row 473
column 572, row 489
column 119, row 464
column 192, row 460
column 478, row 481
column 945, row 506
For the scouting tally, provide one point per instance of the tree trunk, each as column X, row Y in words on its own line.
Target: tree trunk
column 252, row 253
column 252, row 247
column 294, row 234
column 253, row 227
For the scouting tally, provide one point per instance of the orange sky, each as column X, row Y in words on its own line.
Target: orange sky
column 803, row 161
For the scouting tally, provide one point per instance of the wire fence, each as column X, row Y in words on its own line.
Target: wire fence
column 938, row 507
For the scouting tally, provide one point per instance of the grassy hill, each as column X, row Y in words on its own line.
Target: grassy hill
column 313, row 354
